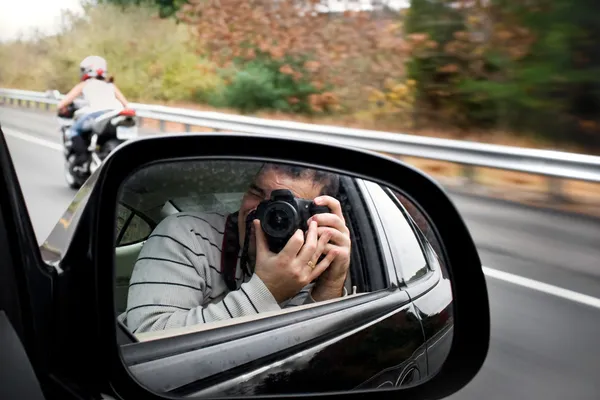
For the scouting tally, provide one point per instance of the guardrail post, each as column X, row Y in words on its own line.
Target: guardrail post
column 47, row 106
column 468, row 173
column 162, row 125
column 555, row 192
column 187, row 127
column 19, row 102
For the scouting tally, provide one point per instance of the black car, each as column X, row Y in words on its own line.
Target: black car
column 410, row 319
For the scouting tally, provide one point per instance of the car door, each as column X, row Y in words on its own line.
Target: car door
column 402, row 247
column 315, row 344
column 421, row 271
column 22, row 276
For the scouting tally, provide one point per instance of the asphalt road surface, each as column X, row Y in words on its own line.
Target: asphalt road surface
column 544, row 342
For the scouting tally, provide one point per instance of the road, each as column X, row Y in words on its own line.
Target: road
column 543, row 346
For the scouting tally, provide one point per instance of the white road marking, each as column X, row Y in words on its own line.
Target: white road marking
column 32, row 139
column 543, row 287
column 493, row 273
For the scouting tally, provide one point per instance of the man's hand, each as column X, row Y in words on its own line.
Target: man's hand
column 332, row 225
column 287, row 272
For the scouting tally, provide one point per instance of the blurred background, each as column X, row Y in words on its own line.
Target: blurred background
column 518, row 73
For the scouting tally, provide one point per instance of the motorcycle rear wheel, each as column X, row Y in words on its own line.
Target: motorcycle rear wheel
column 73, row 181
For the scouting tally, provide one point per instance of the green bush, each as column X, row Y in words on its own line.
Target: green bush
column 264, row 83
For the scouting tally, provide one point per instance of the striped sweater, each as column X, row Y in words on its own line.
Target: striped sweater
column 177, row 282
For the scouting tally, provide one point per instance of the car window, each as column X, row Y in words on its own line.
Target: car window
column 137, row 230
column 406, row 248
column 131, row 227
column 123, row 214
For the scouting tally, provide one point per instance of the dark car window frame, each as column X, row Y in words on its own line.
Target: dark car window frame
column 397, row 259
column 380, row 234
column 367, row 250
column 429, row 239
column 420, row 236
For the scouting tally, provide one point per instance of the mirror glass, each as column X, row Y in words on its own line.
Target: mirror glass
column 236, row 277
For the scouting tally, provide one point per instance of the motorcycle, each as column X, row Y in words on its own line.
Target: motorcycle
column 106, row 132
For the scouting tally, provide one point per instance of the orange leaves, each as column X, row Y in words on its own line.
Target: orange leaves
column 344, row 48
column 277, row 52
column 431, row 44
column 250, row 54
column 286, row 70
column 504, row 35
column 312, row 66
column 448, row 69
column 323, row 102
column 417, row 40
column 420, row 45
column 461, row 35
column 589, row 126
column 488, row 30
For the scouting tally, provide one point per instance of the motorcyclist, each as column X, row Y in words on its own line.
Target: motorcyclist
column 100, row 95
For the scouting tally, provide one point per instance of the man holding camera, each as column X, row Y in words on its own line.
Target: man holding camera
column 202, row 267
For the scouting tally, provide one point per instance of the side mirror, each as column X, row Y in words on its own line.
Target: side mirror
column 178, row 303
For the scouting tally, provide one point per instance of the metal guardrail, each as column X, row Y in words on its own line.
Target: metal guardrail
column 553, row 164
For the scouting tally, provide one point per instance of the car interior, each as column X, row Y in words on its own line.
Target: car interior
column 157, row 191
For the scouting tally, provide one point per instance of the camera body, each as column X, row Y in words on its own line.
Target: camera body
column 283, row 214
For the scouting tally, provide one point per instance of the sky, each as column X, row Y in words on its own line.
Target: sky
column 23, row 16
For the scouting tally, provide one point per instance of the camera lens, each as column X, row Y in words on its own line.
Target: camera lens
column 279, row 219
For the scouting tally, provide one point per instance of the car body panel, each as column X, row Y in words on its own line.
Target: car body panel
column 431, row 294
column 329, row 351
column 54, row 248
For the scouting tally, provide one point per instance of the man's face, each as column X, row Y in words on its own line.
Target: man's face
column 268, row 180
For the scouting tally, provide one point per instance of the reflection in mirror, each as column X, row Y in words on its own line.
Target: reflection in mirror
column 247, row 278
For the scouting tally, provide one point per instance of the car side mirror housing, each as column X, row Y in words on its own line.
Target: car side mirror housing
column 367, row 329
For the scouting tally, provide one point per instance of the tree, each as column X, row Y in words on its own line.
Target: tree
column 430, row 25
column 521, row 66
column 301, row 40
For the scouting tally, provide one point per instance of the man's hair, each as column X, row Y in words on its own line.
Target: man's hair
column 330, row 181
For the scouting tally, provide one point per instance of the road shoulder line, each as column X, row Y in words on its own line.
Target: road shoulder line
column 543, row 287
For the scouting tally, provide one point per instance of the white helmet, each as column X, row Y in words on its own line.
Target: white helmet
column 92, row 66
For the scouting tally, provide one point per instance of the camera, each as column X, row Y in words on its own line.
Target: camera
column 283, row 214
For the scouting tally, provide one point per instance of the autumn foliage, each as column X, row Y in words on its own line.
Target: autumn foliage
column 448, row 66
column 338, row 55
column 529, row 67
